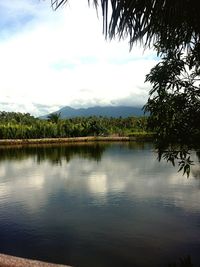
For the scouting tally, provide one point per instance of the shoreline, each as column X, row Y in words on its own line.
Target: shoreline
column 13, row 261
column 139, row 137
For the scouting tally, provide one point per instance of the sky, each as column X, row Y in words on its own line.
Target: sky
column 51, row 59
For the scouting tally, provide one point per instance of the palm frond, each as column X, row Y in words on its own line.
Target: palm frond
column 57, row 3
column 172, row 23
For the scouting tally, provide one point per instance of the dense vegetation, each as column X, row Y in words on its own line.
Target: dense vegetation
column 24, row 126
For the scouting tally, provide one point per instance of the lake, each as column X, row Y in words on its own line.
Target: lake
column 97, row 205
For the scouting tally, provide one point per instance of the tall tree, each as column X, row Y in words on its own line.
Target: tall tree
column 54, row 117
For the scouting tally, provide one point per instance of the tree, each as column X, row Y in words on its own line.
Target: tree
column 173, row 29
column 54, row 117
column 174, row 102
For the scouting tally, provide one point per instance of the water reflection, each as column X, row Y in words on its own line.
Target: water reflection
column 54, row 153
column 97, row 205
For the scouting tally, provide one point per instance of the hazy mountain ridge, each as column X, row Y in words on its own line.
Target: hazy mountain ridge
column 106, row 111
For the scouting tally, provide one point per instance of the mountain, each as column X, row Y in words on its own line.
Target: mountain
column 107, row 111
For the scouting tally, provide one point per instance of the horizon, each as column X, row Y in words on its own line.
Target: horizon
column 79, row 108
column 91, row 107
column 51, row 59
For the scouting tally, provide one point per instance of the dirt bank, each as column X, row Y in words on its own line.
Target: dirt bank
column 73, row 140
column 11, row 261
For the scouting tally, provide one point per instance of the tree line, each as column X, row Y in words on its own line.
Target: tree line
column 24, row 126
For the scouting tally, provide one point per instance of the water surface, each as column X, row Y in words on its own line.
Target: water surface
column 100, row 205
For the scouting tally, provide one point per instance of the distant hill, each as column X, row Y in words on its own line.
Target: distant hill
column 107, row 111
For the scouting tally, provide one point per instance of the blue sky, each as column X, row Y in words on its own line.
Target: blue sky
column 53, row 59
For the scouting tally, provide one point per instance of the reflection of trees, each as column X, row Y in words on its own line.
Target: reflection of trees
column 196, row 169
column 196, row 173
column 54, row 153
column 139, row 145
column 183, row 158
column 182, row 262
column 198, row 155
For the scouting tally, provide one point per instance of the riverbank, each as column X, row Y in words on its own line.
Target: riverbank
column 11, row 261
column 138, row 137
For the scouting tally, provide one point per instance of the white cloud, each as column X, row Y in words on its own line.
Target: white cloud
column 61, row 58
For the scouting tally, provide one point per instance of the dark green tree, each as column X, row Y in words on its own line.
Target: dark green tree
column 54, row 117
column 174, row 102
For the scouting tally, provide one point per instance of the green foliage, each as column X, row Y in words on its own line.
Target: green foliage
column 54, row 117
column 174, row 107
column 16, row 117
column 29, row 127
column 174, row 102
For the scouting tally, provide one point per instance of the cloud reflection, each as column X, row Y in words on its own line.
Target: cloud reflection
column 134, row 173
column 113, row 202
column 97, row 183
